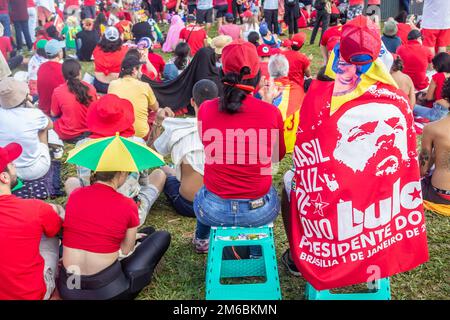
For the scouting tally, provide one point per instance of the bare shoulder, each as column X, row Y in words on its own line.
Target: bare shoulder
column 438, row 128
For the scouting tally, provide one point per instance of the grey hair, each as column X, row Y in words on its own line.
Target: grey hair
column 278, row 66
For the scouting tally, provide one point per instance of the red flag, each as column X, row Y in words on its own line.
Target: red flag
column 356, row 205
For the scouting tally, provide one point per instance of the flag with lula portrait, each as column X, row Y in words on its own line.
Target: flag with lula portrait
column 356, row 204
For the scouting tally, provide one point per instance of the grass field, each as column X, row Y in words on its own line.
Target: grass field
column 181, row 273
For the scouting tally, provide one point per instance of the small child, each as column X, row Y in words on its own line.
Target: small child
column 70, row 31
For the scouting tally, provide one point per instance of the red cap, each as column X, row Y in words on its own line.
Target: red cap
column 239, row 54
column 110, row 114
column 8, row 154
column 298, row 39
column 247, row 14
column 265, row 50
column 360, row 41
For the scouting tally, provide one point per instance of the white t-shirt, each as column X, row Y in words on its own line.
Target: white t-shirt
column 21, row 125
column 33, row 66
column 436, row 14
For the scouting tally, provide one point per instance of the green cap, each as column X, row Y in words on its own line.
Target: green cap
column 41, row 44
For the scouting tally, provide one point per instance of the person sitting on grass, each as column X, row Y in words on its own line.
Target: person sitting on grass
column 403, row 81
column 238, row 190
column 434, row 151
column 105, row 117
column 181, row 140
column 229, row 28
column 100, row 224
column 70, row 103
column 86, row 40
column 28, row 231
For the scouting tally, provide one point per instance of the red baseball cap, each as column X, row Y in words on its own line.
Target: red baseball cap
column 360, row 41
column 239, row 54
column 286, row 43
column 110, row 114
column 8, row 154
column 298, row 39
column 265, row 50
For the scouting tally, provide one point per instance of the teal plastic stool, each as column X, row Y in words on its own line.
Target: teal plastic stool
column 382, row 291
column 265, row 266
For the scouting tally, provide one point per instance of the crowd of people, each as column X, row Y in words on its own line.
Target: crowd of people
column 250, row 79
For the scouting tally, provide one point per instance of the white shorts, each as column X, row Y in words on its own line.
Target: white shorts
column 287, row 179
column 49, row 250
column 39, row 168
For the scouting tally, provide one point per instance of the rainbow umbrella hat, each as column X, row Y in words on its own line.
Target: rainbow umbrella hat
column 115, row 154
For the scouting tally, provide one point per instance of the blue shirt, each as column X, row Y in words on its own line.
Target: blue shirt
column 391, row 43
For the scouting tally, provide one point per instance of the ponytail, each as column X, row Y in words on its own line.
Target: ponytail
column 71, row 69
column 235, row 90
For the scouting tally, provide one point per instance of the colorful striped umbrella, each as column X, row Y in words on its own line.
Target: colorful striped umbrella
column 115, row 154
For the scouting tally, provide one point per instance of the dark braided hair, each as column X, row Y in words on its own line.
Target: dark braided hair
column 71, row 69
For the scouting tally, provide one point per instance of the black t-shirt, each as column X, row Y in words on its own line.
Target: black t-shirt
column 141, row 30
column 86, row 42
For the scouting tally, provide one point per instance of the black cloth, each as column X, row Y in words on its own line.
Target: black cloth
column 177, row 93
column 122, row 280
column 237, row 11
column 271, row 17
column 141, row 30
column 291, row 15
column 323, row 19
column 85, row 43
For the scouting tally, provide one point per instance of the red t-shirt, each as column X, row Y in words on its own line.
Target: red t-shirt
column 108, row 62
column 171, row 4
column 331, row 36
column 355, row 2
column 196, row 38
column 403, row 30
column 416, row 58
column 71, row 3
column 72, row 121
column 438, row 78
column 5, row 46
column 298, row 63
column 158, row 62
column 97, row 219
column 31, row 3
column 89, row 2
column 23, row 222
column 247, row 176
column 374, row 2
column 49, row 78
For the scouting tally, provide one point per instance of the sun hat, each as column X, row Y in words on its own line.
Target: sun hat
column 12, row 93
column 110, row 114
column 298, row 39
column 219, row 42
column 265, row 50
column 239, row 54
column 112, row 34
column 8, row 154
column 53, row 47
column 390, row 28
column 360, row 41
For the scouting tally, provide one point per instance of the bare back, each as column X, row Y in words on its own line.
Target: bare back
column 87, row 263
column 438, row 133
column 405, row 84
column 191, row 182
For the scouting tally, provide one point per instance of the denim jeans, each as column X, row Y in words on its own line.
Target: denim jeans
column 172, row 191
column 22, row 27
column 6, row 22
column 435, row 113
column 212, row 210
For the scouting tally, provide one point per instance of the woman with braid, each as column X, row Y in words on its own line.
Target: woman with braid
column 70, row 103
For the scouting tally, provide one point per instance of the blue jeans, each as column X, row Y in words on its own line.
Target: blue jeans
column 22, row 27
column 172, row 191
column 212, row 210
column 432, row 114
column 6, row 22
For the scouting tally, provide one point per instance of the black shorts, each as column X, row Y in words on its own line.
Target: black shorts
column 221, row 10
column 204, row 16
column 157, row 6
column 306, row 2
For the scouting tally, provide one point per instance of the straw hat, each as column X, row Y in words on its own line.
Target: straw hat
column 219, row 42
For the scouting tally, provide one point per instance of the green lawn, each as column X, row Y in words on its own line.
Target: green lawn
column 181, row 273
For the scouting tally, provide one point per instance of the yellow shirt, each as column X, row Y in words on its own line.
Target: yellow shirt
column 140, row 95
